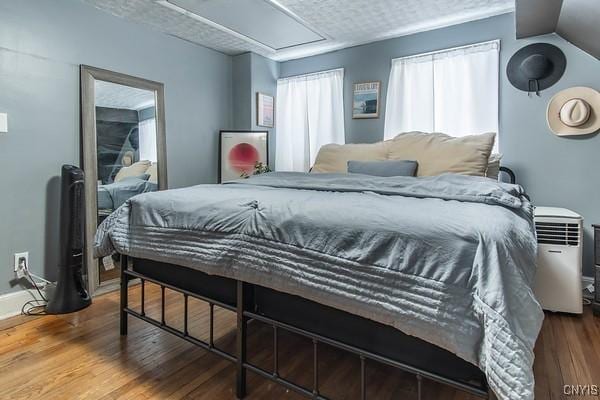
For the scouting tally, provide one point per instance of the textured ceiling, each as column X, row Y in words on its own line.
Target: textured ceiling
column 344, row 23
column 112, row 95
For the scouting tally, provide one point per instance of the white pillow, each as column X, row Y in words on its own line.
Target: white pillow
column 335, row 157
column 438, row 153
column 135, row 169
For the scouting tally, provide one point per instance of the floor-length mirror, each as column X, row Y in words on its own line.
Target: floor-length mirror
column 123, row 139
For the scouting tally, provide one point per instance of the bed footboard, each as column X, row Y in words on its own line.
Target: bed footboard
column 246, row 309
column 128, row 274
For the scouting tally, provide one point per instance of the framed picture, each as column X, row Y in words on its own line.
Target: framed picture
column 265, row 107
column 365, row 100
column 239, row 151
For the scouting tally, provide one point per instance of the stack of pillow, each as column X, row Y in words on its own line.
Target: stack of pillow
column 414, row 154
column 138, row 169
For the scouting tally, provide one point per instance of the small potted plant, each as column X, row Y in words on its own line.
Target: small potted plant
column 259, row 168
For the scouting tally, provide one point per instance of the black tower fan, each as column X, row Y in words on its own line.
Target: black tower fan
column 70, row 294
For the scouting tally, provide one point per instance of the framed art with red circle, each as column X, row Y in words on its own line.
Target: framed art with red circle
column 239, row 153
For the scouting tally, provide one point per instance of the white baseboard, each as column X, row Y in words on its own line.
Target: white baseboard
column 11, row 303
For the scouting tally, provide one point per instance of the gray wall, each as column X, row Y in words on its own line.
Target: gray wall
column 555, row 171
column 242, row 92
column 253, row 73
column 42, row 44
column 264, row 80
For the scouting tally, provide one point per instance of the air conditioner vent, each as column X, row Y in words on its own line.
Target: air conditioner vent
column 557, row 233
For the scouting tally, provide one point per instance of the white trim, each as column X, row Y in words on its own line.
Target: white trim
column 11, row 303
column 300, row 20
column 411, row 29
column 222, row 28
column 273, row 3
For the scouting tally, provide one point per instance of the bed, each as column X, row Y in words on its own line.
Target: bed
column 431, row 275
column 111, row 196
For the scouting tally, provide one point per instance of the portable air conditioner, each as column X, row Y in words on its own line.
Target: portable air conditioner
column 560, row 254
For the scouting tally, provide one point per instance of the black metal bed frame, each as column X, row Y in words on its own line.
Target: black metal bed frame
column 244, row 315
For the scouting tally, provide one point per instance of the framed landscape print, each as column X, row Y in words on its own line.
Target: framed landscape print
column 240, row 151
column 265, row 107
column 365, row 100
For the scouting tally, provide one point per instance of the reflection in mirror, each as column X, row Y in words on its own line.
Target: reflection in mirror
column 124, row 153
column 127, row 161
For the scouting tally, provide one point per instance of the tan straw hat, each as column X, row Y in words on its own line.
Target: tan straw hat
column 574, row 111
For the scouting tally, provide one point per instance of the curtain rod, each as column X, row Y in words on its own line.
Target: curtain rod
column 310, row 74
column 466, row 46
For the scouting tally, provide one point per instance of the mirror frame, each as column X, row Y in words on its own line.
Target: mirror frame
column 89, row 162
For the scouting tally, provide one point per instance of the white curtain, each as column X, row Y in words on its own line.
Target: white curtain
column 147, row 137
column 309, row 114
column 453, row 91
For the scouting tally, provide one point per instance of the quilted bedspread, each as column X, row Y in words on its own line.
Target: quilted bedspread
column 449, row 259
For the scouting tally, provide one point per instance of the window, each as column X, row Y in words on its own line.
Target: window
column 309, row 114
column 453, row 91
column 147, row 135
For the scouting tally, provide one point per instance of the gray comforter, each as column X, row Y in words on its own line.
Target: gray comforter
column 448, row 259
column 113, row 195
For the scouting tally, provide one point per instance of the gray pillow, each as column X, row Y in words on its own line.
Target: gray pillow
column 383, row 168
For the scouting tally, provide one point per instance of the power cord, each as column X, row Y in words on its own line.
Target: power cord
column 35, row 306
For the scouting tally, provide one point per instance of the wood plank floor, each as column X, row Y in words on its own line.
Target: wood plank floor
column 82, row 356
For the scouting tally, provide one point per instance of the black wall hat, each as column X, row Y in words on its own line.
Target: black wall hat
column 536, row 67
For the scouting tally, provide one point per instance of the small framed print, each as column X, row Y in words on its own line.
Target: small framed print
column 265, row 107
column 240, row 152
column 365, row 100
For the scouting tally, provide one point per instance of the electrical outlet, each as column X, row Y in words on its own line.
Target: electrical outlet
column 21, row 262
column 590, row 288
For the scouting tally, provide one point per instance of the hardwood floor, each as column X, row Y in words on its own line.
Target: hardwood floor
column 82, row 356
